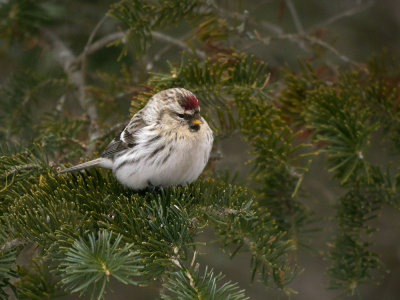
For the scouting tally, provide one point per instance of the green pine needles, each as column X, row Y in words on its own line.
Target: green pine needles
column 83, row 231
column 8, row 255
column 158, row 229
column 344, row 118
column 89, row 265
column 192, row 284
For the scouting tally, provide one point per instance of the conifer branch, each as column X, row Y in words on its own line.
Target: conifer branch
column 9, row 251
column 11, row 244
column 17, row 169
column 90, row 228
column 176, row 262
column 202, row 286
column 88, row 265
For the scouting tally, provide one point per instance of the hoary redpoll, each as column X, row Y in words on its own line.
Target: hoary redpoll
column 166, row 143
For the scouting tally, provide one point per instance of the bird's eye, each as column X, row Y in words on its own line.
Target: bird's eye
column 181, row 116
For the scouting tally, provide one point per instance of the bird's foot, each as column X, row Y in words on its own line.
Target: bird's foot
column 154, row 188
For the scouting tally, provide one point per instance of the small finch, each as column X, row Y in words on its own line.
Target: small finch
column 166, row 143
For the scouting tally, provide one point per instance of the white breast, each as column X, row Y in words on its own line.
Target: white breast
column 178, row 158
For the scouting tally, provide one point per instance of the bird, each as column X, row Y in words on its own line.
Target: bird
column 166, row 143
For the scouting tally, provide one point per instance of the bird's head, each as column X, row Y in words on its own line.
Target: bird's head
column 175, row 108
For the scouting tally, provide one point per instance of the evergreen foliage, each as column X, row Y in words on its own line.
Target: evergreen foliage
column 88, row 229
column 8, row 255
column 139, row 18
column 95, row 261
column 343, row 117
column 37, row 282
column 199, row 286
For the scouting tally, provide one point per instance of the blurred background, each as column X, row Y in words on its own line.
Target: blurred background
column 351, row 31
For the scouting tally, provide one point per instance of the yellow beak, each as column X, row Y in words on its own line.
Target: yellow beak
column 196, row 122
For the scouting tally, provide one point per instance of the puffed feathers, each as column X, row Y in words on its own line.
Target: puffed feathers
column 166, row 143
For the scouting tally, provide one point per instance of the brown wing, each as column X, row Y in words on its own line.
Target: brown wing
column 125, row 139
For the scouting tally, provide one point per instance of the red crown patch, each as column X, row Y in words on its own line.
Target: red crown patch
column 191, row 102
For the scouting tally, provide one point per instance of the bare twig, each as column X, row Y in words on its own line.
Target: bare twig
column 330, row 48
column 16, row 169
column 273, row 28
column 104, row 41
column 295, row 16
column 13, row 172
column 298, row 38
column 101, row 43
column 169, row 39
column 89, row 41
column 348, row 13
column 69, row 63
column 159, row 54
column 93, row 34
column 296, row 21
column 157, row 57
column 11, row 244
column 301, row 37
